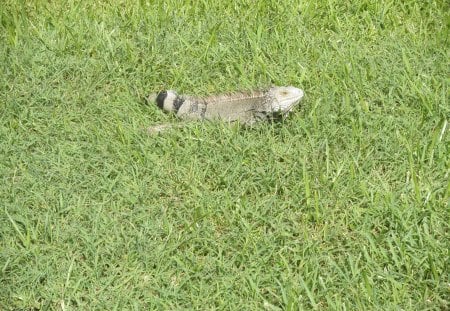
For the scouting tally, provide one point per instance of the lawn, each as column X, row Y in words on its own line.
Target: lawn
column 344, row 205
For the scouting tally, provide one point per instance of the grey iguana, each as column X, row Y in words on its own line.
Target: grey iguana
column 246, row 108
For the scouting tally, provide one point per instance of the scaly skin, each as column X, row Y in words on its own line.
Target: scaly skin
column 247, row 108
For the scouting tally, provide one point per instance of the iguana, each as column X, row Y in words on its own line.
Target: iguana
column 246, row 108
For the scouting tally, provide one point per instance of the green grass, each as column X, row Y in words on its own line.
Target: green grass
column 342, row 206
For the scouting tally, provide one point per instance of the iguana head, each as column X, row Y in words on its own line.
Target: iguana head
column 285, row 98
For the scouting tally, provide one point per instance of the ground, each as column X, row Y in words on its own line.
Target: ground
column 342, row 206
